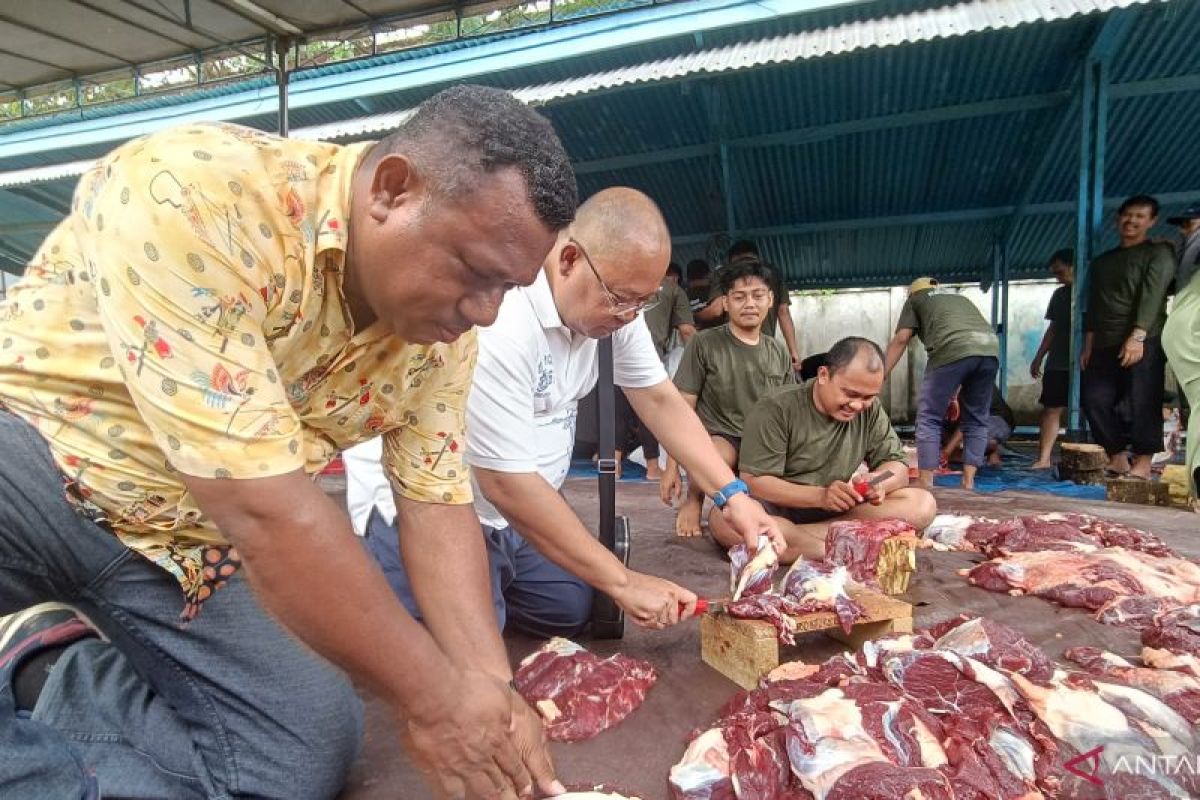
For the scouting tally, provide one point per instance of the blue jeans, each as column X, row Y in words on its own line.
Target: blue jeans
column 529, row 592
column 977, row 377
column 229, row 705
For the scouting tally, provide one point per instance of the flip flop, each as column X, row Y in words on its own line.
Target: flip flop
column 1115, row 473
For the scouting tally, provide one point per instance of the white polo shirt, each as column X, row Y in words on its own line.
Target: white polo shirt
column 532, row 373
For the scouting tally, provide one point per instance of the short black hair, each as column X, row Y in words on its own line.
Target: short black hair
column 673, row 269
column 844, row 351
column 746, row 268
column 1064, row 256
column 464, row 132
column 743, row 248
column 1140, row 200
column 697, row 269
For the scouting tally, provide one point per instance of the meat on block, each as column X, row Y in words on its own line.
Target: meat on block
column 878, row 552
column 578, row 694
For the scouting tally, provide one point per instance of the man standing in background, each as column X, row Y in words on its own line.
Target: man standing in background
column 1123, row 361
column 1055, row 353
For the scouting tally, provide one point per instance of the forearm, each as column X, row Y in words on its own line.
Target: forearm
column 307, row 535
column 690, row 400
column 784, row 493
column 1044, row 347
column 712, row 311
column 895, row 350
column 1153, row 295
column 674, row 423
column 899, row 478
column 533, row 507
column 446, row 559
column 686, row 332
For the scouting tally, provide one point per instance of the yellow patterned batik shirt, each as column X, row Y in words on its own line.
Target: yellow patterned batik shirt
column 188, row 317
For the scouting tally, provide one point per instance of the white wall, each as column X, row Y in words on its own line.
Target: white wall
column 824, row 316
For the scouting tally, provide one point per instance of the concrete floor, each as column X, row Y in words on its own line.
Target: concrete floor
column 637, row 755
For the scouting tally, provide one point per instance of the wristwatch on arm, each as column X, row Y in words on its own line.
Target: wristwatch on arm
column 723, row 495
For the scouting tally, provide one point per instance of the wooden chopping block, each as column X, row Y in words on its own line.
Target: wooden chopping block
column 897, row 563
column 1146, row 493
column 1175, row 476
column 744, row 650
column 1082, row 463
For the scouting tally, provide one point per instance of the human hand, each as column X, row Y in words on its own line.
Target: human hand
column 1085, row 356
column 795, row 362
column 750, row 520
column 529, row 737
column 954, row 410
column 1035, row 369
column 464, row 740
column 840, row 496
column 1132, row 352
column 670, row 485
column 872, row 494
column 654, row 602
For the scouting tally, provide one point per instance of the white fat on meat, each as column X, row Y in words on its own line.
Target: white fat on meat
column 1035, row 571
column 705, row 763
column 1165, row 660
column 875, row 651
column 968, row 639
column 1085, row 720
column 949, row 532
column 819, row 588
column 558, row 646
column 1016, row 753
column 1148, row 707
column 929, row 749
column 833, row 724
column 595, row 796
column 765, row 560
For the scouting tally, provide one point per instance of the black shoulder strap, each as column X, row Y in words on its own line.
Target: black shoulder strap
column 606, row 430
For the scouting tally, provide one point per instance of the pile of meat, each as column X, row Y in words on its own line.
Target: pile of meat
column 1127, row 576
column 578, row 694
column 968, row 710
column 806, row 588
column 857, row 544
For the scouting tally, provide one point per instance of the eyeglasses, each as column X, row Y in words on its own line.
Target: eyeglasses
column 618, row 307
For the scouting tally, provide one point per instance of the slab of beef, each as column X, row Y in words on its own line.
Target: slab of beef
column 596, row 794
column 776, row 609
column 995, row 644
column 1187, row 663
column 857, row 544
column 822, row 587
column 1178, row 690
column 1066, row 532
column 752, row 573
column 1090, row 580
column 578, row 694
column 1176, row 630
column 1136, row 611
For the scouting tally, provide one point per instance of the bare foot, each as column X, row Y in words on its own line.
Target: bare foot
column 1119, row 463
column 653, row 471
column 925, row 479
column 968, row 478
column 1142, row 467
column 687, row 522
column 994, row 460
column 1042, row 465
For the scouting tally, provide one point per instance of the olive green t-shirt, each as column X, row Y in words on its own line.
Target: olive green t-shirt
column 672, row 310
column 787, row 437
column 728, row 376
column 949, row 325
column 1128, row 290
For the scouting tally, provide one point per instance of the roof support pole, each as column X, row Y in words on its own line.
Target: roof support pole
column 282, row 45
column 1002, row 253
column 1089, row 211
column 727, row 192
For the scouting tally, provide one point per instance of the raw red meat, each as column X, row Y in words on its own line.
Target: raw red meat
column 578, row 694
column 1041, row 532
column 1187, row 663
column 1177, row 630
column 856, row 544
column 1136, row 611
column 1178, row 690
column 994, row 644
column 776, row 609
column 752, row 573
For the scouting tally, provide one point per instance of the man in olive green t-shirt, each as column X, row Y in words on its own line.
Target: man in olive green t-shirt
column 802, row 444
column 723, row 373
column 1123, row 361
column 963, row 352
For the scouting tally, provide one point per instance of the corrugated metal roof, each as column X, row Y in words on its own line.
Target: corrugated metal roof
column 885, row 161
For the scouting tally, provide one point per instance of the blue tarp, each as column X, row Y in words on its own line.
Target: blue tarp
column 1015, row 474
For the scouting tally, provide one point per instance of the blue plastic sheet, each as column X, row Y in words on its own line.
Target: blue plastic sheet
column 1015, row 474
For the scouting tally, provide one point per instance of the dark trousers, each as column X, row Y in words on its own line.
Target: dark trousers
column 1108, row 390
column 976, row 375
column 631, row 431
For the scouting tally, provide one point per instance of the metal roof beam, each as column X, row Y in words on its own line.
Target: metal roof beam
column 927, row 218
column 71, row 42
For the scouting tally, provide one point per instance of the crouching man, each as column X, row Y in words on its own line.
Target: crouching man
column 802, row 446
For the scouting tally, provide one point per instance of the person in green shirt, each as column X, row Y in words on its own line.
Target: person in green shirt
column 1123, row 361
column 669, row 314
column 1181, row 334
column 724, row 371
column 963, row 357
column 1055, row 353
column 802, row 445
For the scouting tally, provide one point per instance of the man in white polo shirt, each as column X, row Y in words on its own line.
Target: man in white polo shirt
column 535, row 363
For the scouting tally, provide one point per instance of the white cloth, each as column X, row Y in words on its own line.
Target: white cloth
column 366, row 485
column 531, row 374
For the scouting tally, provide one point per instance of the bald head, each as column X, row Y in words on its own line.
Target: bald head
column 623, row 228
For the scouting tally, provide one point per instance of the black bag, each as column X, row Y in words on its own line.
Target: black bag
column 608, row 620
